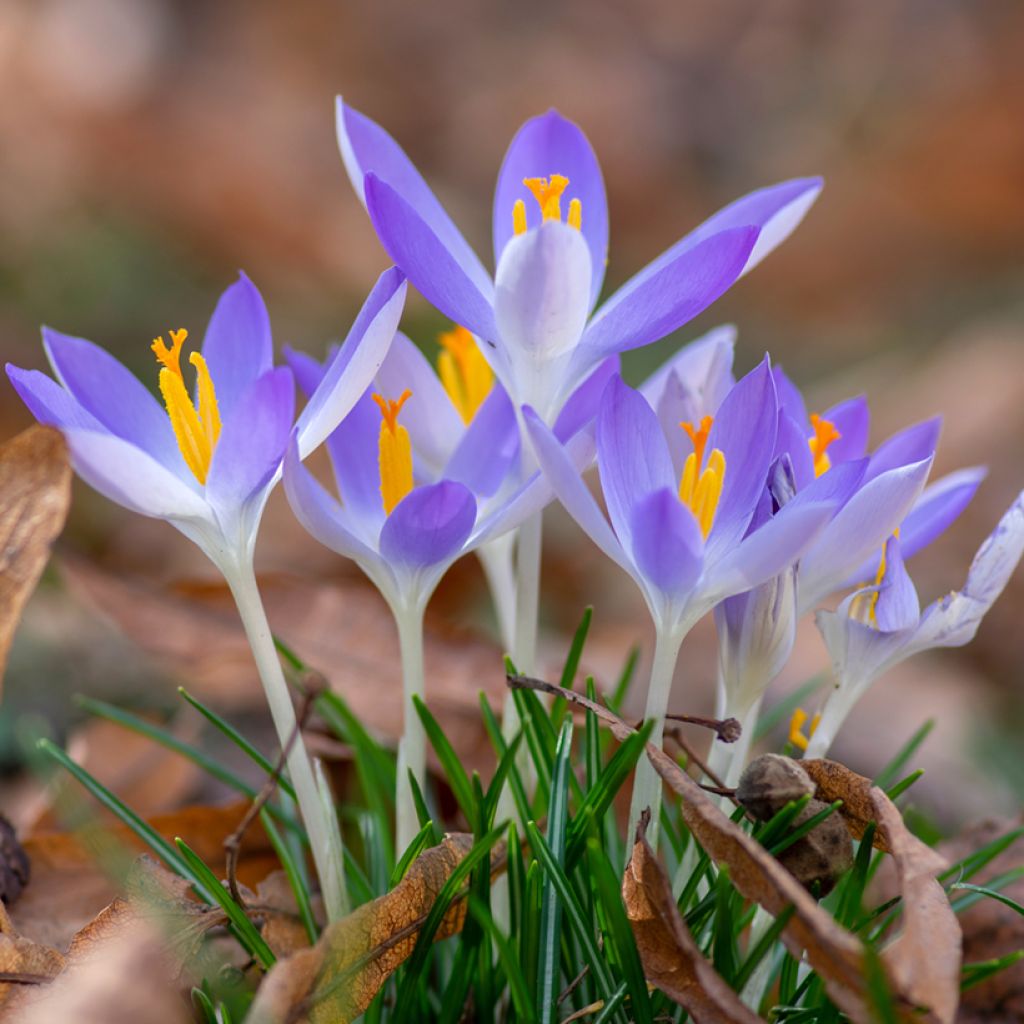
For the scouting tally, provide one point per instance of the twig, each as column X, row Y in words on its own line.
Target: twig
column 573, row 985
column 314, row 684
column 728, row 730
column 676, row 734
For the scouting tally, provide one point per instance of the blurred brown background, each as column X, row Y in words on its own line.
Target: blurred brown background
column 152, row 147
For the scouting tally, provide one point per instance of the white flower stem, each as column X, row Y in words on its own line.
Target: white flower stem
column 837, row 706
column 528, row 549
column 647, row 783
column 727, row 760
column 497, row 559
column 412, row 747
column 324, row 835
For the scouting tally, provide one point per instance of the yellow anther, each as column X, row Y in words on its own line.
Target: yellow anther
column 466, row 375
column 548, row 193
column 196, row 427
column 872, row 609
column 824, row 434
column 170, row 357
column 700, row 490
column 575, row 218
column 394, row 452
column 519, row 217
column 796, row 729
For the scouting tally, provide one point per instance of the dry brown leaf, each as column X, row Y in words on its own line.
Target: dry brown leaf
column 336, row 980
column 833, row 952
column 35, row 490
column 282, row 928
column 23, row 963
column 671, row 958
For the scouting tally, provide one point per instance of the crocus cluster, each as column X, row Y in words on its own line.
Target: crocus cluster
column 721, row 496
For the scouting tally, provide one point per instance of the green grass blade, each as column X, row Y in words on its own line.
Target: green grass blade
column 762, row 948
column 515, row 779
column 801, row 830
column 990, row 890
column 450, row 763
column 416, row 847
column 625, row 679
column 904, row 784
column 243, row 928
column 572, row 660
column 891, row 772
column 976, row 973
column 294, row 873
column 970, row 865
column 519, row 993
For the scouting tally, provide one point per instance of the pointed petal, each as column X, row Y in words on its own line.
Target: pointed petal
column 252, row 443
column 632, row 456
column 320, row 514
column 308, row 370
column 114, row 396
column 238, row 346
column 897, row 606
column 489, row 449
column 911, row 445
column 367, row 149
column 51, row 404
column 791, row 400
column 429, row 526
column 791, row 441
column 859, row 530
column 353, row 367
column 542, row 291
column 667, row 294
column 582, row 405
column 548, row 145
column 571, row 491
column 426, row 261
column 668, row 548
column 133, row 478
column 744, row 430
column 703, row 368
column 853, row 421
column 432, row 421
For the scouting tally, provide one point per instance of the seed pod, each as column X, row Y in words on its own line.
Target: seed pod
column 823, row 854
column 770, row 782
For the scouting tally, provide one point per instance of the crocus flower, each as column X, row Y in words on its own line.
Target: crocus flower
column 534, row 314
column 879, row 626
column 405, row 534
column 207, row 465
column 682, row 532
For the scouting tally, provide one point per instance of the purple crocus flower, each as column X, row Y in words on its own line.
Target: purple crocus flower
column 683, row 532
column 535, row 314
column 207, row 468
column 207, row 465
column 879, row 626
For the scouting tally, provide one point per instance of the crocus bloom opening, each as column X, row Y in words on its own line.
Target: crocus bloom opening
column 534, row 314
column 880, row 625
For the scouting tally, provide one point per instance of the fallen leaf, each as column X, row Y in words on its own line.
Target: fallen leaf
column 336, row 980
column 834, row 953
column 23, row 963
column 35, row 490
column 671, row 958
column 282, row 927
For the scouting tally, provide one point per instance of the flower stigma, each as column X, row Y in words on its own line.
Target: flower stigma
column 548, row 193
column 824, row 434
column 196, row 427
column 395, row 452
column 796, row 728
column 466, row 376
column 864, row 607
column 700, row 491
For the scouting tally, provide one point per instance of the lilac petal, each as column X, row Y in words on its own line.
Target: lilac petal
column 429, row 526
column 791, row 441
column 131, row 477
column 897, row 606
column 573, row 493
column 582, row 405
column 426, row 261
column 744, row 430
column 703, row 367
column 432, row 421
column 837, row 486
column 954, row 620
column 791, row 400
column 548, row 145
column 354, row 448
column 252, row 442
column 632, row 456
column 114, row 395
column 489, row 449
column 859, row 530
column 859, row 652
column 308, row 371
column 319, row 513
column 853, row 421
column 668, row 293
column 911, row 445
column 668, row 548
column 367, row 149
column 51, row 404
column 238, row 346
column 770, row 550
column 542, row 290
column 353, row 367
column 775, row 210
